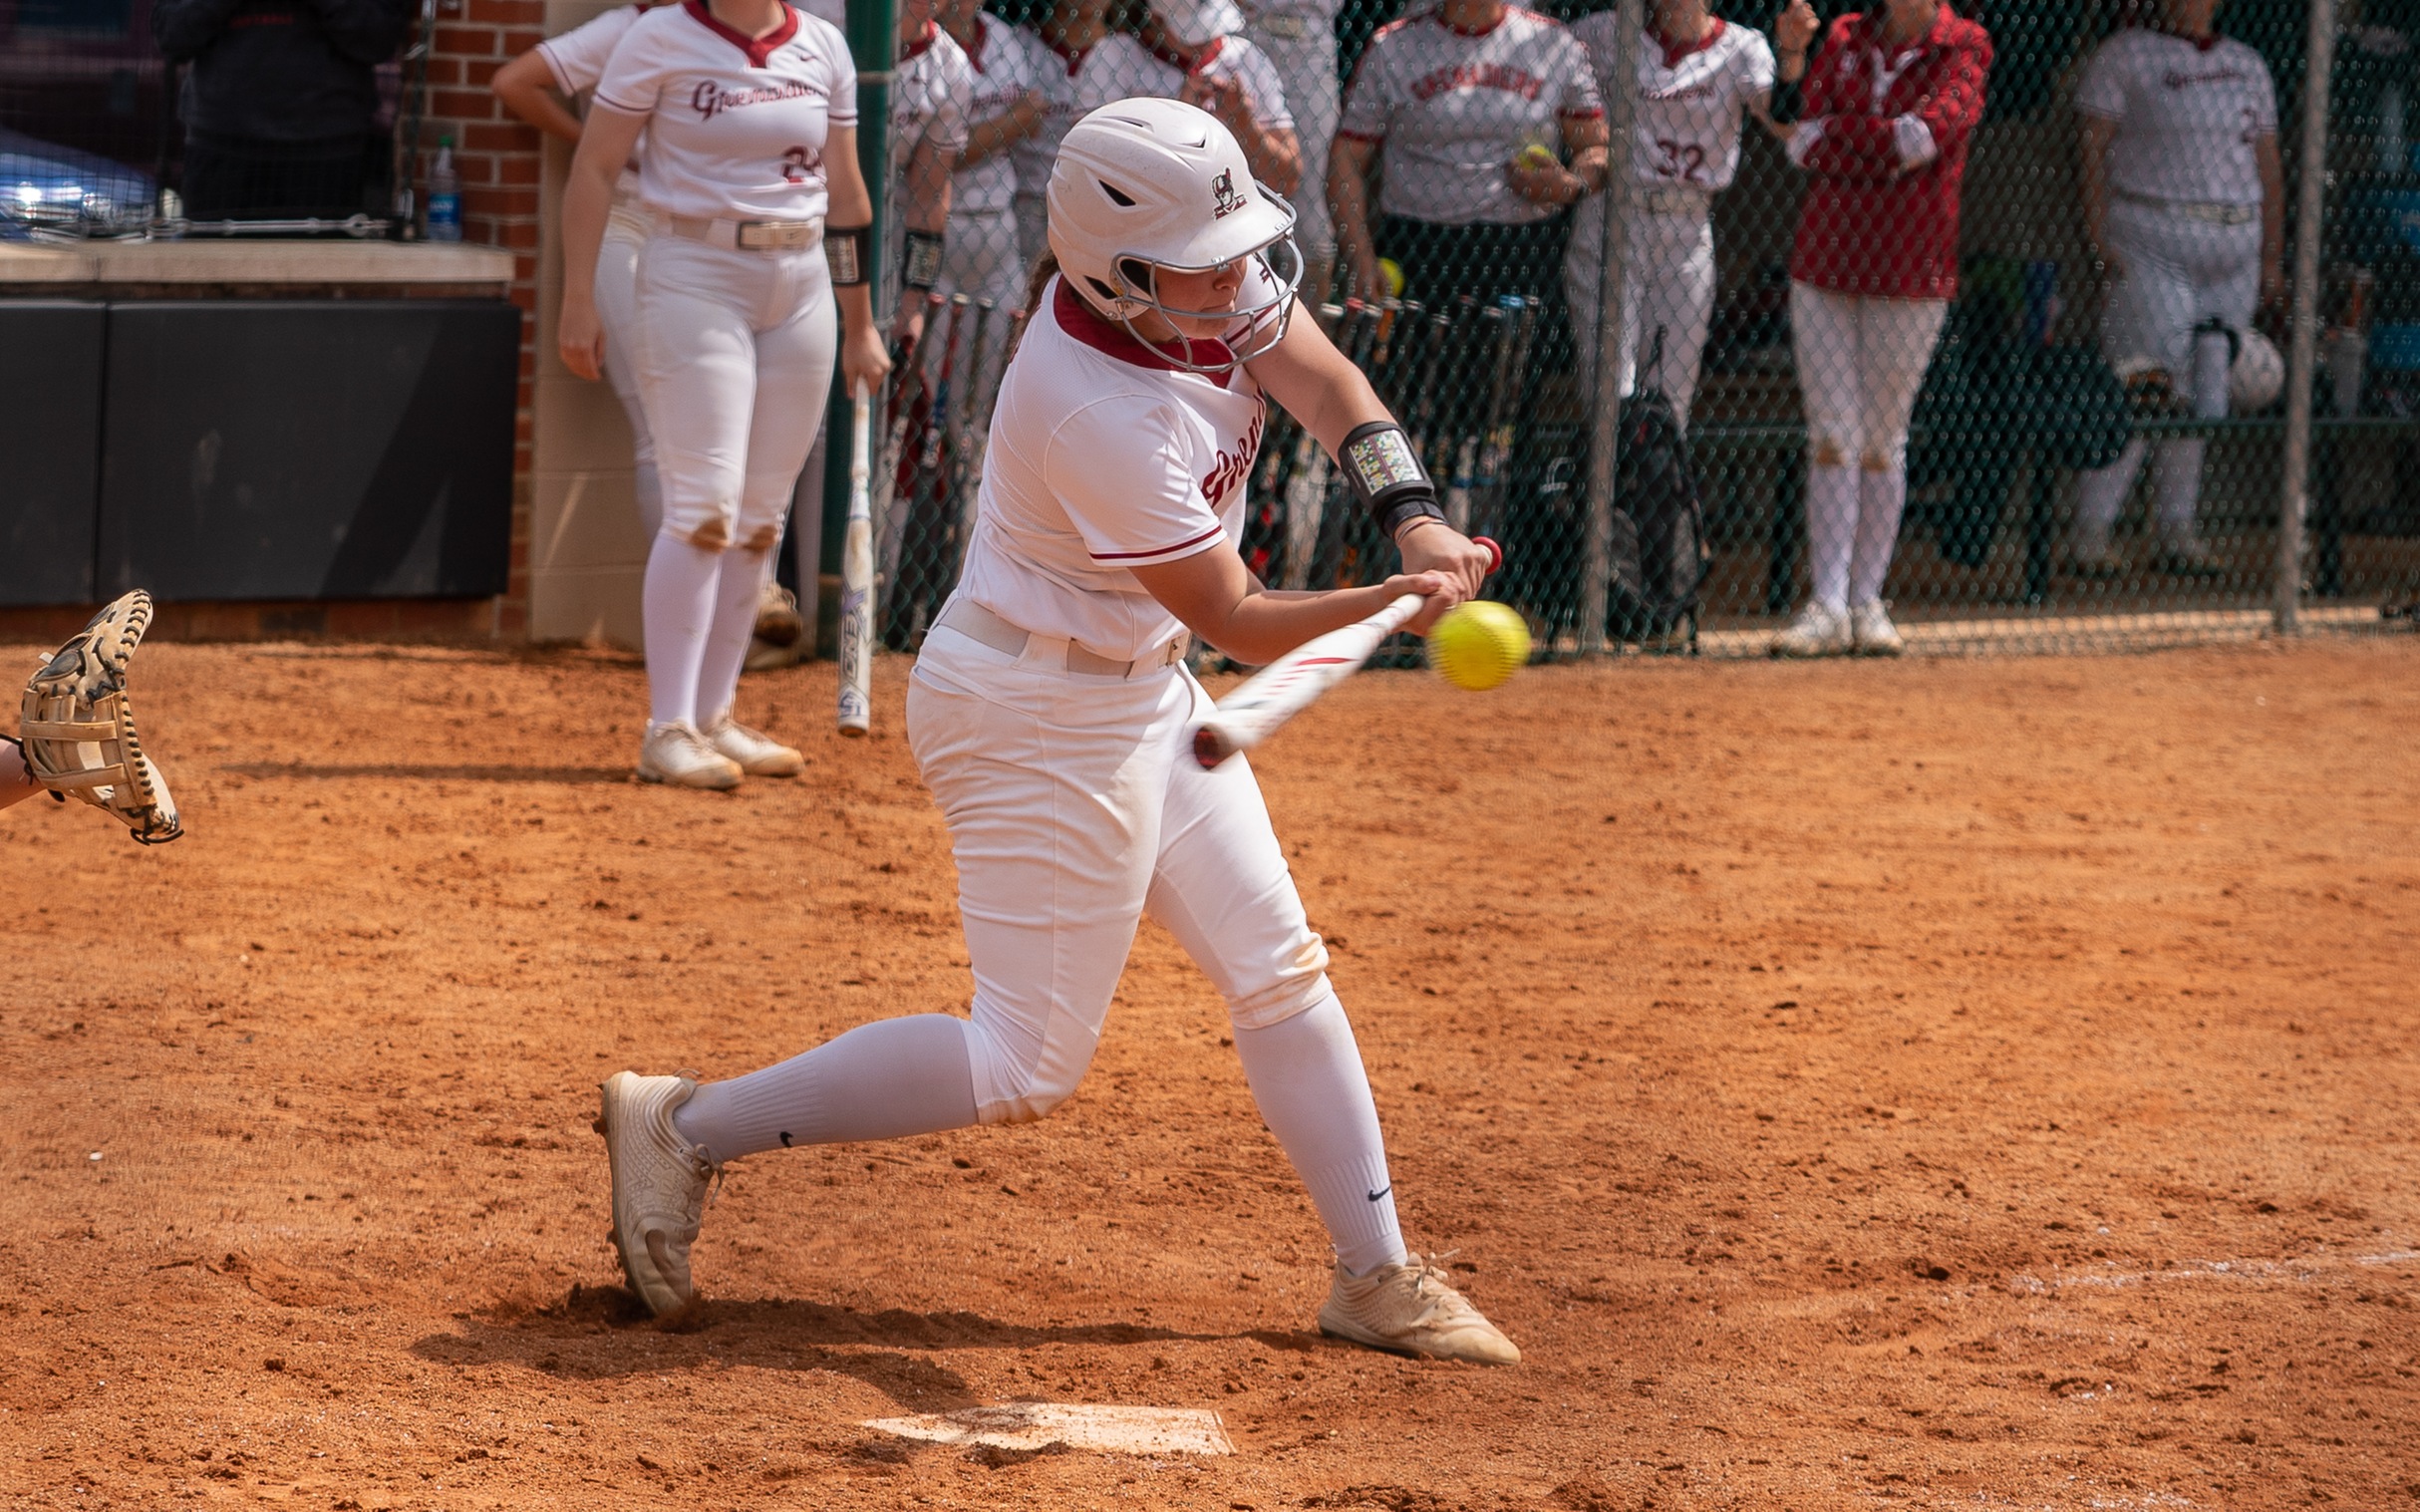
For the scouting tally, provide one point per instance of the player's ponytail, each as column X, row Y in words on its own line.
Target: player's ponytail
column 1046, row 268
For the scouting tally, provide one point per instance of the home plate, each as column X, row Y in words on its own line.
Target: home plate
column 1039, row 1425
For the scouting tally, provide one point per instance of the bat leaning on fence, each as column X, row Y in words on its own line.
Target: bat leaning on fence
column 1293, row 682
column 855, row 709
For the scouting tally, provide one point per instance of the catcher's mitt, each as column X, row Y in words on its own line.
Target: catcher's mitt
column 78, row 729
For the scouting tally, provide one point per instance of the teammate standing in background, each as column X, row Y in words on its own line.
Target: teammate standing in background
column 1067, row 56
column 932, row 89
column 749, row 112
column 2184, row 205
column 1697, row 76
column 1890, row 105
column 1443, row 104
column 1195, row 50
column 1298, row 37
column 1050, row 712
column 981, row 259
column 572, row 64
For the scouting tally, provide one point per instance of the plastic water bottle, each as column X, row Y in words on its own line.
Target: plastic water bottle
column 445, row 195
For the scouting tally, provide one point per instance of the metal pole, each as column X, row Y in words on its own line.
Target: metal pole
column 1604, row 404
column 2302, row 357
column 873, row 41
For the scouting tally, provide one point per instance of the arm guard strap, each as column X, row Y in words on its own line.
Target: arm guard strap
column 844, row 250
column 1385, row 476
column 923, row 260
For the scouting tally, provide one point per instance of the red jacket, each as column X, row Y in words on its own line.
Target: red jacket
column 1866, row 227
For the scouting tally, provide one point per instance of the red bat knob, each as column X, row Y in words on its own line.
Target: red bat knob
column 1495, row 555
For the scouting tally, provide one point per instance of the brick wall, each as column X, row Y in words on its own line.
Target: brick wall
column 500, row 159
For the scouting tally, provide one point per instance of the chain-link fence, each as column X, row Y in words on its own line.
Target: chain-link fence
column 1953, row 327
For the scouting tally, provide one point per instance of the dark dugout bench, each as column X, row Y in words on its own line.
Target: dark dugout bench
column 233, row 422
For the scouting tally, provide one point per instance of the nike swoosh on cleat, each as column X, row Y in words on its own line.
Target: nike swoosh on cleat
column 1380, row 1192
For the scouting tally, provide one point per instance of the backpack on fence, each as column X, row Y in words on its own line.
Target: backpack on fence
column 1658, row 546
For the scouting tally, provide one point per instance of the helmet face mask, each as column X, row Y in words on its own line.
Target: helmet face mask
column 1148, row 187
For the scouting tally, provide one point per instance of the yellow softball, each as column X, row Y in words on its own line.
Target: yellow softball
column 1392, row 272
column 1537, row 155
column 1479, row 644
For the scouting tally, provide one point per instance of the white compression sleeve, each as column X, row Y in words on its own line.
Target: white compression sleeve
column 881, row 1080
column 1306, row 1074
column 677, row 603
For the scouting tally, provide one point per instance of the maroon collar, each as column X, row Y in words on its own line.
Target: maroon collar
column 758, row 49
column 1079, row 319
column 973, row 47
column 1675, row 52
column 923, row 44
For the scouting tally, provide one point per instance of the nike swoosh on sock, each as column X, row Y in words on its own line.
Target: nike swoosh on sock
column 1380, row 1192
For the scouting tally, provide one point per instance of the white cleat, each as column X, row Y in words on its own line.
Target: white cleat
column 659, row 1186
column 1819, row 630
column 1413, row 1309
column 1870, row 629
column 675, row 752
column 753, row 750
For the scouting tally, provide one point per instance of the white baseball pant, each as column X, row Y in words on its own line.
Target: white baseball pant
column 627, row 229
column 736, row 353
column 1303, row 48
column 2182, row 274
column 1861, row 362
column 1669, row 290
column 1074, row 804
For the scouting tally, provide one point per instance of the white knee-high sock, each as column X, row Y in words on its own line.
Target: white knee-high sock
column 882, row 1081
column 1306, row 1074
column 734, row 625
column 2176, row 479
column 1883, row 499
column 1831, row 532
column 677, row 604
column 2100, row 494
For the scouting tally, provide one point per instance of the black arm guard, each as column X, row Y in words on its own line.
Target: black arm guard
column 1384, row 473
column 845, row 249
column 923, row 260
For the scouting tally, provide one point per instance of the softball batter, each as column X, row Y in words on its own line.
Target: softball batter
column 1698, row 77
column 2183, row 201
column 1050, row 712
column 749, row 112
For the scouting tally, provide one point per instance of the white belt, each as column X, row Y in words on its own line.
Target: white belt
column 1292, row 28
column 982, row 626
column 1669, row 200
column 2215, row 213
column 746, row 235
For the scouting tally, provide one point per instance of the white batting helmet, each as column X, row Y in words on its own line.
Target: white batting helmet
column 2259, row 374
column 1157, row 184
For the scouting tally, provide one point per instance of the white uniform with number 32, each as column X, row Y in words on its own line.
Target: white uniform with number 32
column 1692, row 102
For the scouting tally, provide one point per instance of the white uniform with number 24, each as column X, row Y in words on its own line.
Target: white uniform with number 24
column 1690, row 104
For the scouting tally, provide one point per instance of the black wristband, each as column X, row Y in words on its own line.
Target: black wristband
column 1385, row 476
column 923, row 260
column 844, row 250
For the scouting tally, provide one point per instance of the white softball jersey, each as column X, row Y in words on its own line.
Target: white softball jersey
column 931, row 86
column 1105, row 456
column 1002, row 71
column 736, row 125
column 1452, row 107
column 1139, row 70
column 1691, row 97
column 2187, row 116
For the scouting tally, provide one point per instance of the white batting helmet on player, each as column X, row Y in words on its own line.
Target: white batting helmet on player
column 1157, row 184
column 2259, row 374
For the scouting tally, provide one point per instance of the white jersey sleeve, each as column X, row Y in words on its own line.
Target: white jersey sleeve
column 1135, row 505
column 2190, row 117
column 578, row 57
